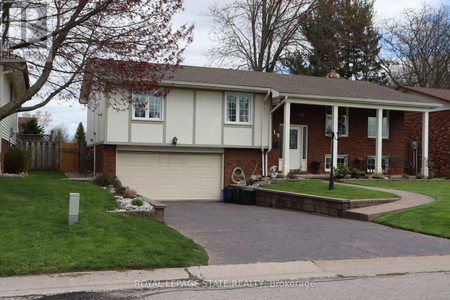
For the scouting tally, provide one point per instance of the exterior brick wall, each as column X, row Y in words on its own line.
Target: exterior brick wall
column 356, row 145
column 439, row 137
column 246, row 159
column 105, row 159
column 5, row 148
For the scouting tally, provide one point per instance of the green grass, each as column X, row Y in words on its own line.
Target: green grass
column 432, row 218
column 320, row 188
column 35, row 237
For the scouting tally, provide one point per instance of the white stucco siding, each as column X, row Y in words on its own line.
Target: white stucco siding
column 180, row 116
column 147, row 132
column 257, row 105
column 9, row 123
column 238, row 136
column 95, row 132
column 208, row 118
column 118, row 118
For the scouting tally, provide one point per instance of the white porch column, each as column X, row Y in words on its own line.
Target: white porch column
column 286, row 137
column 335, row 129
column 425, row 121
column 379, row 142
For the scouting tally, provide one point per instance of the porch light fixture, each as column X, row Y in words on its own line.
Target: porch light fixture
column 174, row 140
column 332, row 135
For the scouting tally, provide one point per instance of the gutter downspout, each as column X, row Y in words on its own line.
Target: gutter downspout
column 270, row 131
column 263, row 163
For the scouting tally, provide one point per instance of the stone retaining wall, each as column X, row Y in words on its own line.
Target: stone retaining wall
column 317, row 204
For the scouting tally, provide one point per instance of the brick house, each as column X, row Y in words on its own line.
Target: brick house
column 13, row 83
column 186, row 145
column 439, row 133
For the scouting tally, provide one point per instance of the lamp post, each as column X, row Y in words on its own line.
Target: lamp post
column 332, row 135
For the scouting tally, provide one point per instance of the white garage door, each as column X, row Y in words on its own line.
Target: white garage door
column 171, row 176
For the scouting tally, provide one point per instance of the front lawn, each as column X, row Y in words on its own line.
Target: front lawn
column 320, row 188
column 35, row 237
column 432, row 218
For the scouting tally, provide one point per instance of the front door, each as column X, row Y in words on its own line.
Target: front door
column 298, row 145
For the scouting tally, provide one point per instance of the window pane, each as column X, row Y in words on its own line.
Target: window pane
column 244, row 103
column 329, row 121
column 385, row 127
column 231, row 108
column 140, row 105
column 155, row 107
column 293, row 141
column 342, row 125
column 328, row 162
column 372, row 127
column 342, row 120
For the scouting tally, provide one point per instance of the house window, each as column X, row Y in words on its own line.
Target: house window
column 342, row 120
column 238, row 109
column 341, row 160
column 371, row 164
column 372, row 124
column 147, row 107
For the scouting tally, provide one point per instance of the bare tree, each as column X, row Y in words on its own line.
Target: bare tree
column 256, row 34
column 52, row 42
column 418, row 48
column 59, row 134
column 44, row 118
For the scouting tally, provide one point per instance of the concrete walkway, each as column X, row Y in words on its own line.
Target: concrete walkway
column 75, row 176
column 258, row 273
column 407, row 200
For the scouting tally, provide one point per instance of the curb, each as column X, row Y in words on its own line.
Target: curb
column 180, row 277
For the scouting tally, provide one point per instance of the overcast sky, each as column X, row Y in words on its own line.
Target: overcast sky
column 71, row 113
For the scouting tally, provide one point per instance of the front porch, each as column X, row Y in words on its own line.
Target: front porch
column 371, row 137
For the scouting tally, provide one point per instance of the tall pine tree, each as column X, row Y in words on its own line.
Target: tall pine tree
column 341, row 35
column 80, row 135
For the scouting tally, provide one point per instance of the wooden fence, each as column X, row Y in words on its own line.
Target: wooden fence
column 69, row 157
column 45, row 154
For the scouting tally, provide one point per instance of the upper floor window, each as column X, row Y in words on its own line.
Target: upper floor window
column 238, row 109
column 372, row 124
column 342, row 120
column 147, row 107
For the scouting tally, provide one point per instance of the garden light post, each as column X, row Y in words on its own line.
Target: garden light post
column 332, row 135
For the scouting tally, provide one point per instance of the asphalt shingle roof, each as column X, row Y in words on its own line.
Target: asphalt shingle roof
column 292, row 84
column 443, row 94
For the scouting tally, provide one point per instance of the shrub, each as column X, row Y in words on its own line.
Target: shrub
column 129, row 193
column 431, row 175
column 105, row 180
column 17, row 160
column 405, row 176
column 137, row 202
column 355, row 173
column 377, row 176
column 419, row 176
column 341, row 171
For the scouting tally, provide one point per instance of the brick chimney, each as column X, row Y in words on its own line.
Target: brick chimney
column 333, row 74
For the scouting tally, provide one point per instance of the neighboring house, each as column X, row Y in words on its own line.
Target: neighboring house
column 439, row 135
column 13, row 83
column 186, row 145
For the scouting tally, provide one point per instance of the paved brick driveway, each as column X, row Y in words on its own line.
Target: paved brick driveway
column 233, row 234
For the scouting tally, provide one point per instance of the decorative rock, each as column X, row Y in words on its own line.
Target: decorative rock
column 20, row 175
